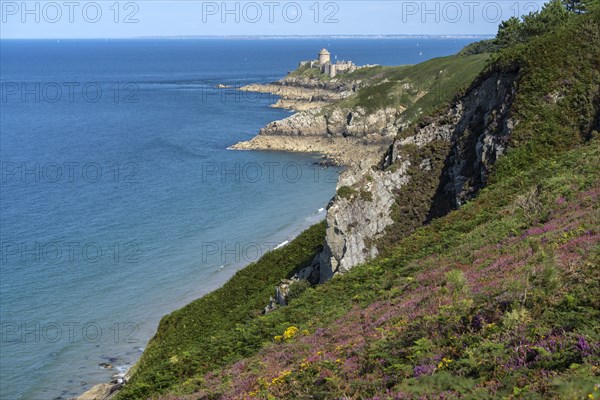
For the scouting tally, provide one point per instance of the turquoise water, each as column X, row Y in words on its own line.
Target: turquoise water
column 119, row 200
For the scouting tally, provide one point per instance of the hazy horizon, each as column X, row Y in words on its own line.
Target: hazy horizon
column 159, row 18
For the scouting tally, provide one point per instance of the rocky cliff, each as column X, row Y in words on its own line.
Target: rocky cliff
column 323, row 123
column 428, row 170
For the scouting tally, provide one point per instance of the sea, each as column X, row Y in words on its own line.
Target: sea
column 119, row 200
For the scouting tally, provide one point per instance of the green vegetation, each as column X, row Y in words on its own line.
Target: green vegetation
column 367, row 73
column 412, row 206
column 559, row 91
column 499, row 299
column 520, row 30
column 419, row 89
column 483, row 46
column 366, row 195
column 305, row 71
column 347, row 192
column 515, row 31
column 194, row 340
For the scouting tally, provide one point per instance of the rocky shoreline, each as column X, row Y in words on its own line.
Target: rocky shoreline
column 105, row 391
column 102, row 391
column 338, row 151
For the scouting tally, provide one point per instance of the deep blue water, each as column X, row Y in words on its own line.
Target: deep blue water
column 119, row 201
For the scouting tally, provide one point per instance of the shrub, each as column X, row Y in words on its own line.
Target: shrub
column 297, row 288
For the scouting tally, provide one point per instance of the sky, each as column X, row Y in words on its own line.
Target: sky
column 48, row 19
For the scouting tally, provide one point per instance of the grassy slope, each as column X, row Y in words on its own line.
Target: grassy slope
column 188, row 341
column 307, row 72
column 420, row 88
column 499, row 298
column 433, row 83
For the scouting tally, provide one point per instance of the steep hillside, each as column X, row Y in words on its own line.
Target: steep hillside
column 470, row 252
column 428, row 170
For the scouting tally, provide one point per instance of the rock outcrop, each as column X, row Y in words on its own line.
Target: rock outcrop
column 344, row 135
column 300, row 93
column 338, row 150
column 296, row 98
column 337, row 121
column 307, row 276
column 103, row 391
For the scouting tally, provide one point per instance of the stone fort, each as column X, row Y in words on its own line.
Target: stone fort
column 327, row 67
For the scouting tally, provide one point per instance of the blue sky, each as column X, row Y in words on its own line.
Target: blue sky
column 142, row 18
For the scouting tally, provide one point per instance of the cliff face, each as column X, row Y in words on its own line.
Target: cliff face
column 425, row 173
column 357, row 215
column 322, row 123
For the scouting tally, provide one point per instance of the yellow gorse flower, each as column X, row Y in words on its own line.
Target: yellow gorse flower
column 290, row 332
column 445, row 362
column 281, row 378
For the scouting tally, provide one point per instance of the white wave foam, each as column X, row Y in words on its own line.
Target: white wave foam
column 280, row 245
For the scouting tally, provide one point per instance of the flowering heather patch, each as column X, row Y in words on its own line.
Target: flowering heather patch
column 583, row 347
column 423, row 370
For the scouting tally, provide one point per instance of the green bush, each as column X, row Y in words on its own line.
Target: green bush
column 346, row 192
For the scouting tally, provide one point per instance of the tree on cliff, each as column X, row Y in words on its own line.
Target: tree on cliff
column 580, row 6
column 553, row 14
column 509, row 33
